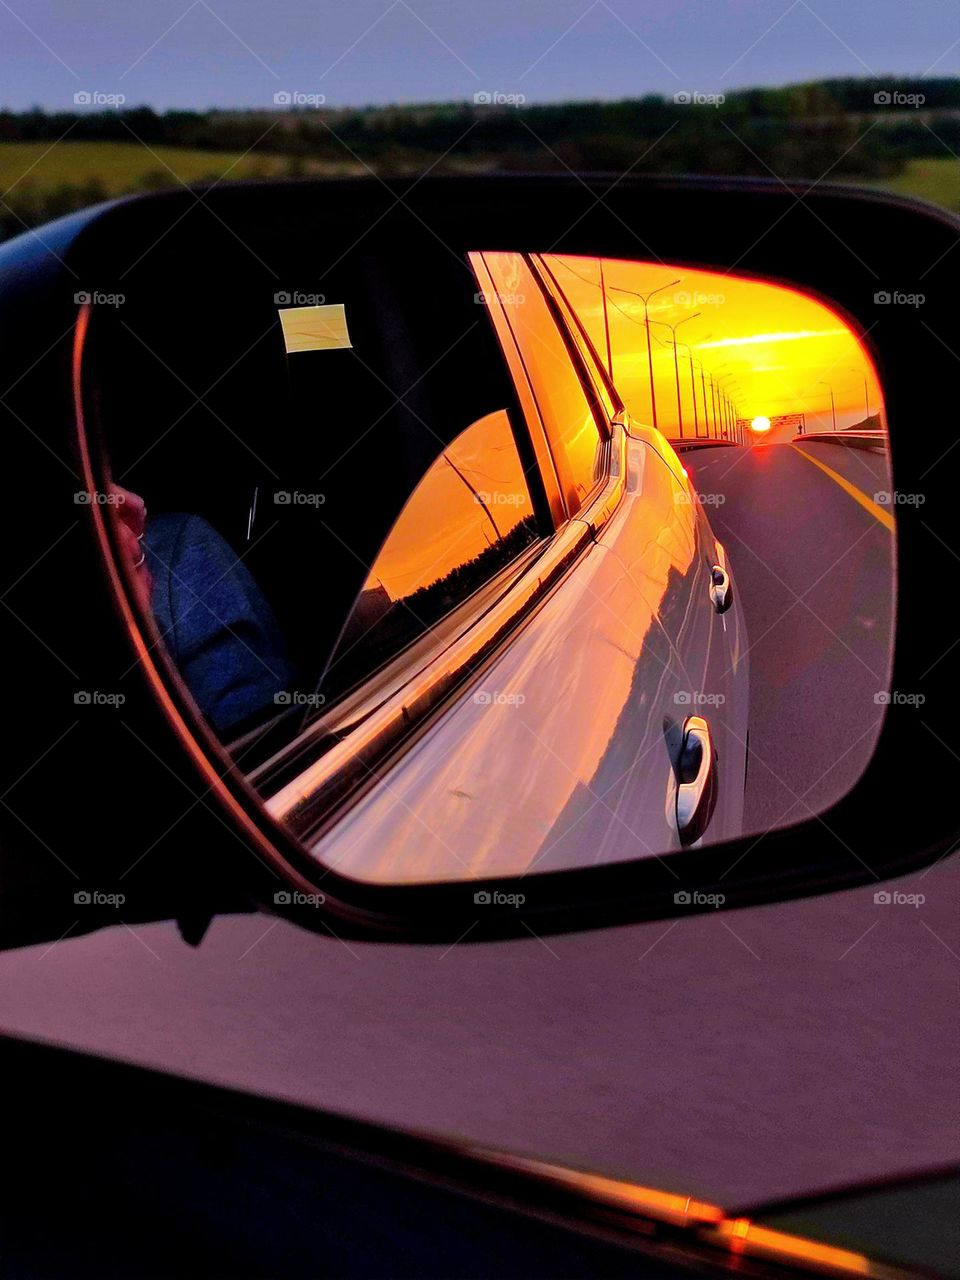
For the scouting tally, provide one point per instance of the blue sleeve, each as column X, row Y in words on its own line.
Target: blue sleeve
column 215, row 621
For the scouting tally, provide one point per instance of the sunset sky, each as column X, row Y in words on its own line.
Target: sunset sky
column 772, row 346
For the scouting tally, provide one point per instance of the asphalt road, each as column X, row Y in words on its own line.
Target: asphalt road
column 738, row 1057
column 815, row 574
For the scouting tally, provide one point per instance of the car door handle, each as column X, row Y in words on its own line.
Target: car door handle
column 696, row 780
column 721, row 588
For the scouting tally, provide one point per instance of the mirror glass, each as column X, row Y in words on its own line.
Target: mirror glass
column 562, row 561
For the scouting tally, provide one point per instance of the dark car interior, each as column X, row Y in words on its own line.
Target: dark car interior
column 313, row 422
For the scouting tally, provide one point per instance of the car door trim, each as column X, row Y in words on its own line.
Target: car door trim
column 309, row 803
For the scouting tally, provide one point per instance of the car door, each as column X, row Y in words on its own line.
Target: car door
column 564, row 750
column 668, row 550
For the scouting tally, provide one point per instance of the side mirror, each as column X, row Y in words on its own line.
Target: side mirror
column 518, row 553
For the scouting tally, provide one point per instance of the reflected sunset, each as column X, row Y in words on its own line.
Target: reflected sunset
column 758, row 351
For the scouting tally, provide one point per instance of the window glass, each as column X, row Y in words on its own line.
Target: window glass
column 467, row 519
column 599, row 376
column 570, row 422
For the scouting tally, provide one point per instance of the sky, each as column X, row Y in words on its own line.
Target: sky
column 240, row 53
column 775, row 350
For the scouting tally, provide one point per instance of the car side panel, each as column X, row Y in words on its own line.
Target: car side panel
column 556, row 755
column 708, row 650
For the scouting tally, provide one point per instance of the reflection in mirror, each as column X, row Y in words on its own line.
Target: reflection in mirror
column 565, row 561
column 468, row 518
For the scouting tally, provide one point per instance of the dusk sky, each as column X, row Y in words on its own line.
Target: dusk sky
column 200, row 53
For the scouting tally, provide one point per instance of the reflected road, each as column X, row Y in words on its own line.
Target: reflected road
column 813, row 566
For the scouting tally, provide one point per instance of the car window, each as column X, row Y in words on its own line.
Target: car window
column 599, row 376
column 573, row 425
column 469, row 517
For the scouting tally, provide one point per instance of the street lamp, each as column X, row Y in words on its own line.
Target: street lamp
column 703, row 389
column 833, row 403
column 645, row 298
column 866, row 393
column 676, row 363
column 715, row 397
column 693, row 389
column 726, row 401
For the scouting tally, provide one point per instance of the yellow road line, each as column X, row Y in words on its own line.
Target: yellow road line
column 878, row 513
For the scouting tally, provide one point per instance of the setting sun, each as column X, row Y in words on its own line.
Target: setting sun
column 703, row 353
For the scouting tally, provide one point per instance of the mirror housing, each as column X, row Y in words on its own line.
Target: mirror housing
column 166, row 820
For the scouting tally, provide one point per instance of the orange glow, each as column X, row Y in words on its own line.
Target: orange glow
column 771, row 350
column 761, row 425
column 663, row 1205
column 738, row 1235
column 432, row 537
column 743, row 1236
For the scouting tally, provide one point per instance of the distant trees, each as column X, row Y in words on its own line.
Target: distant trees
column 853, row 127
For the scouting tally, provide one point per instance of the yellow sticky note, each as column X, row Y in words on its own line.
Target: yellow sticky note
column 315, row 328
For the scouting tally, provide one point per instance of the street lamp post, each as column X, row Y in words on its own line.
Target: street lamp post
column 715, row 396
column 725, row 401
column 866, row 392
column 645, row 298
column 703, row 388
column 693, row 391
column 833, row 403
column 676, row 361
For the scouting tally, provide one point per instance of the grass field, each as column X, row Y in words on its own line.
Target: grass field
column 28, row 168
column 121, row 166
column 935, row 180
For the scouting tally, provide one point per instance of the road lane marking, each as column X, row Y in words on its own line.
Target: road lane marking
column 878, row 512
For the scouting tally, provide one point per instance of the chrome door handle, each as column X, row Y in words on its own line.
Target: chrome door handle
column 721, row 588
column 696, row 780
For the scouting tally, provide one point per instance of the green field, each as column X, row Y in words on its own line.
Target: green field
column 122, row 166
column 935, row 180
column 32, row 169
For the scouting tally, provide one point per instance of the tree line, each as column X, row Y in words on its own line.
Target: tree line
column 857, row 128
